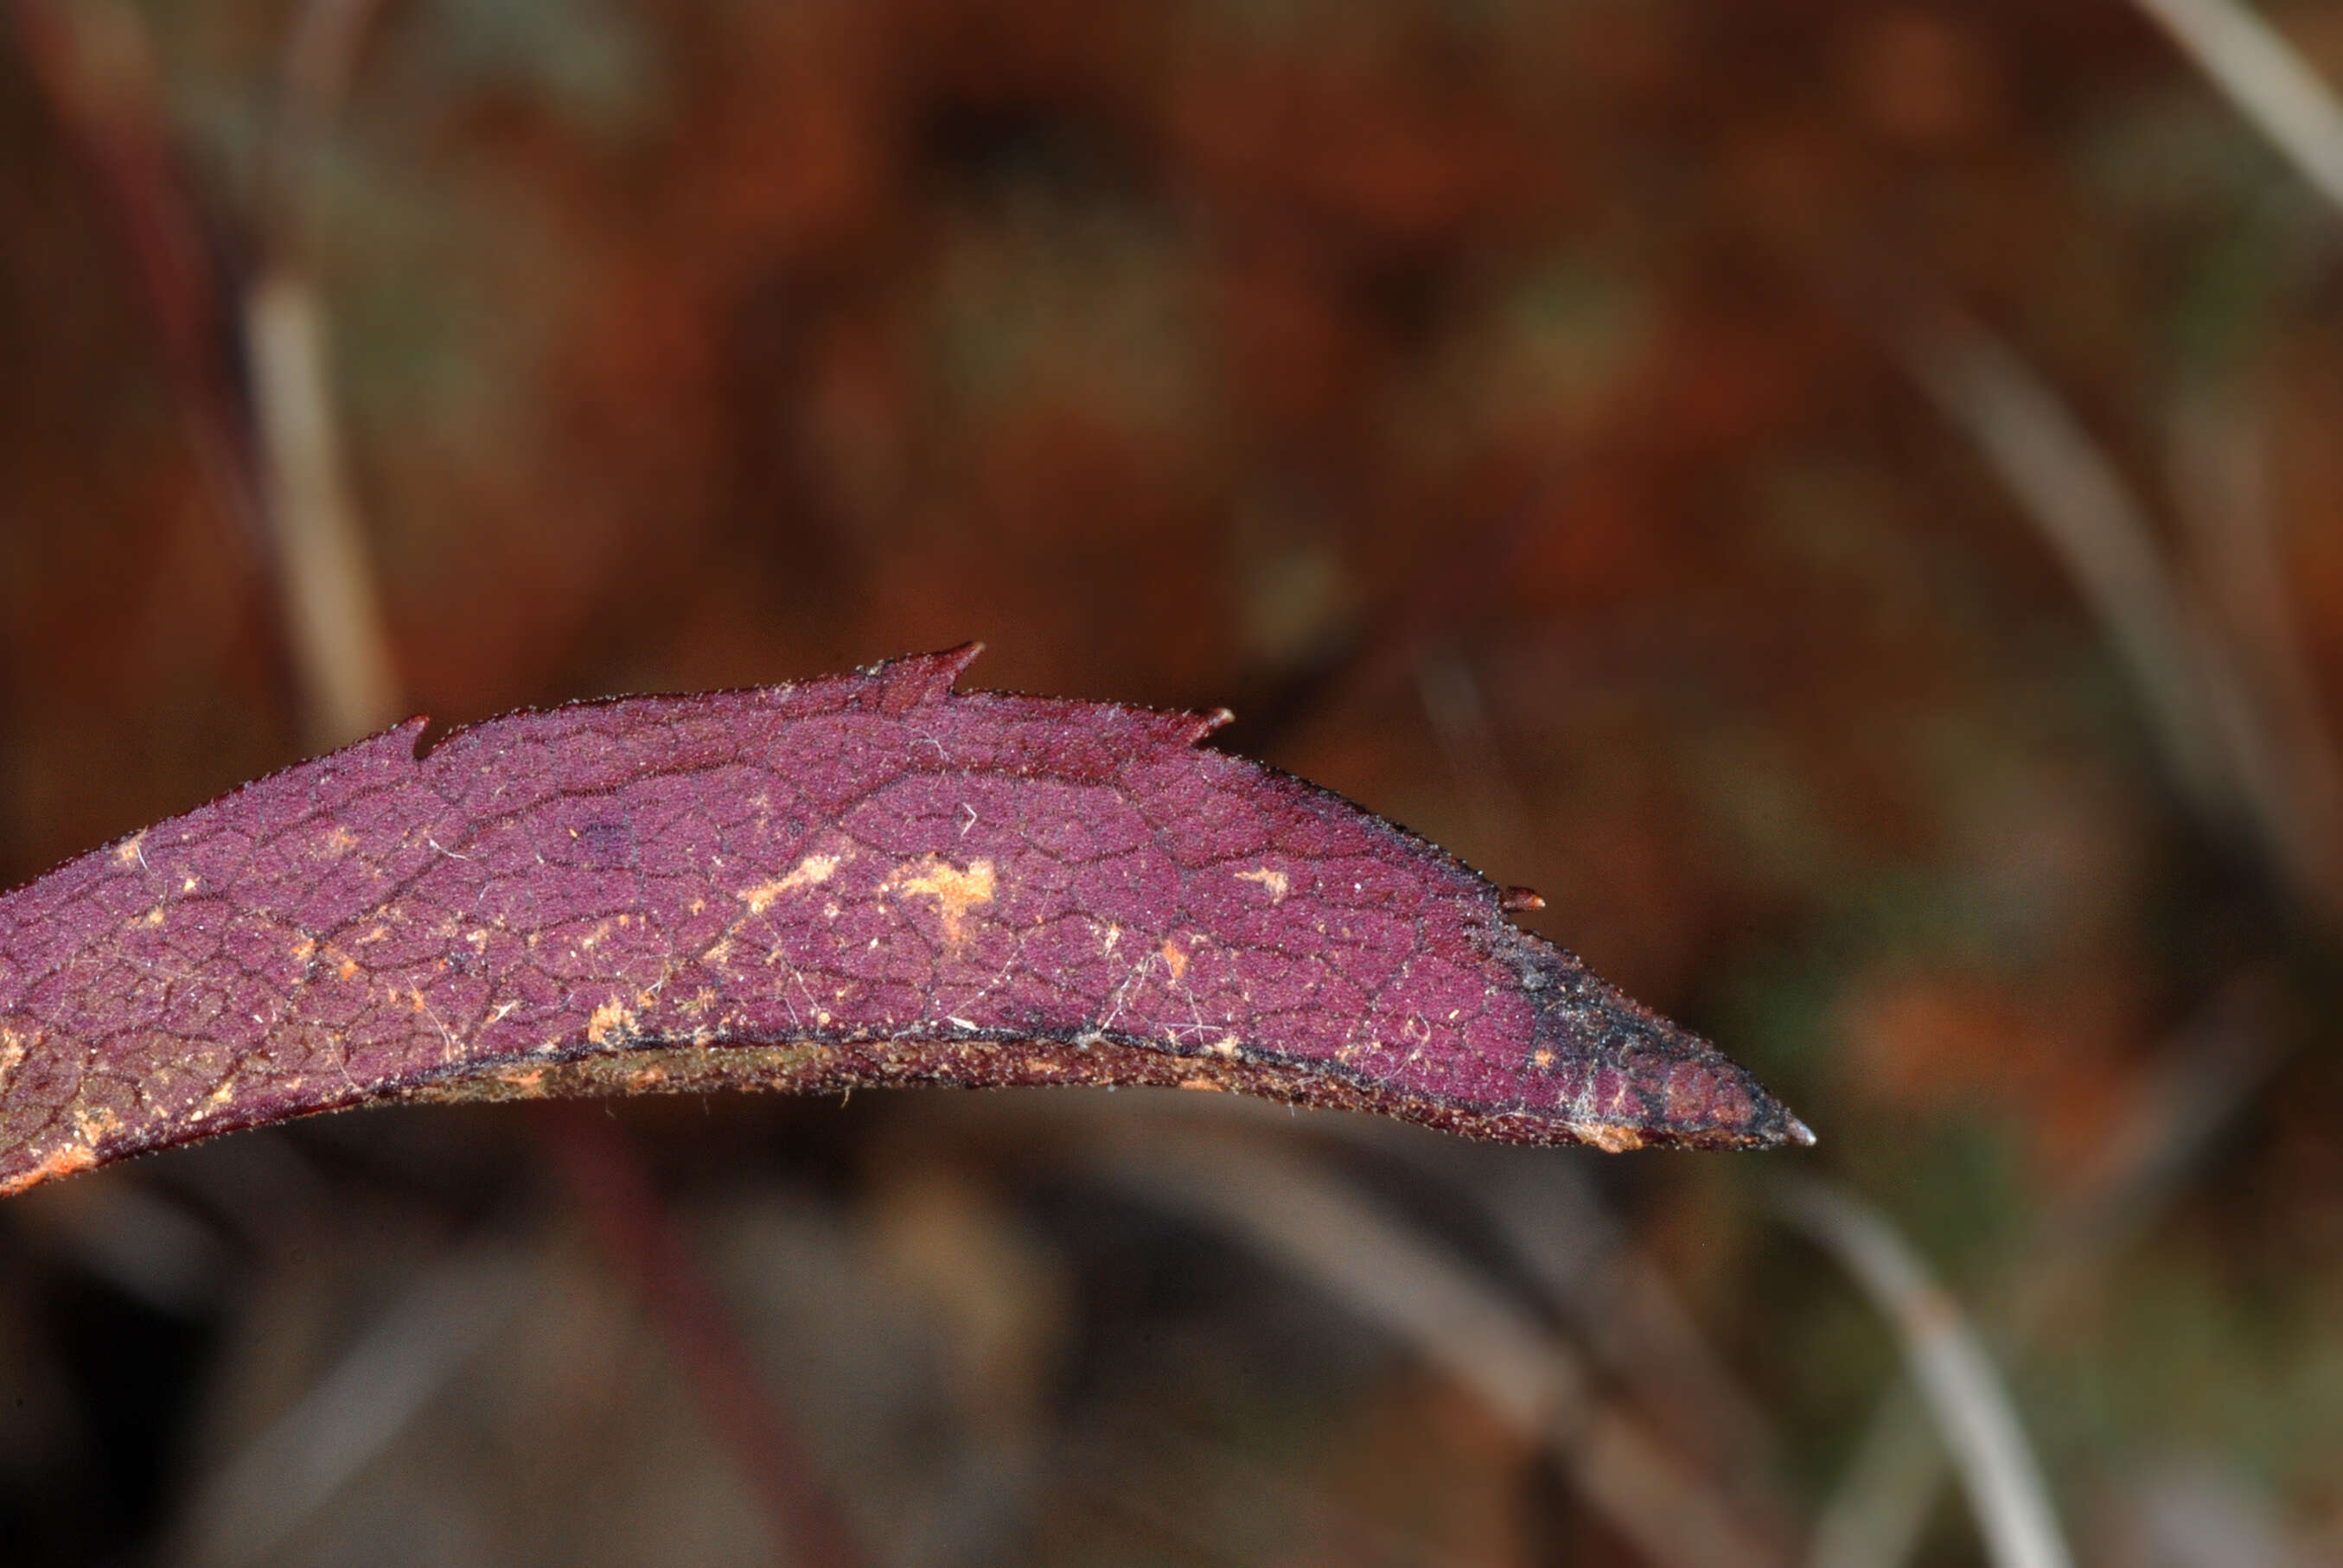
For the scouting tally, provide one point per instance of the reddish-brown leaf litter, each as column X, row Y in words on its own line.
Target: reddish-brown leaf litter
column 861, row 881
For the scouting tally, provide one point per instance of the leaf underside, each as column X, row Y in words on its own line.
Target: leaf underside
column 866, row 879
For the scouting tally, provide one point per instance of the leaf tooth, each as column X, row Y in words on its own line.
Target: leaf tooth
column 921, row 679
column 1199, row 724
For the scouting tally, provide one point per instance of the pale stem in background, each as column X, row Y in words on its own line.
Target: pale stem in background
column 2217, row 1063
column 1544, row 1207
column 335, row 628
column 2266, row 79
column 262, row 1496
column 1946, row 1360
column 2078, row 500
column 2219, row 737
column 1632, row 1318
column 333, row 615
column 333, row 621
column 1317, row 1226
column 2220, row 480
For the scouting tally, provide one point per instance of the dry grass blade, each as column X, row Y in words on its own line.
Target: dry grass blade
column 1952, row 1370
column 1883, row 1502
column 141, row 1242
column 2222, row 482
column 2220, row 1059
column 2266, row 79
column 332, row 609
column 284, row 1476
column 1630, row 1315
column 2206, row 716
column 333, row 621
column 2074, row 494
column 1308, row 1221
column 1620, row 1308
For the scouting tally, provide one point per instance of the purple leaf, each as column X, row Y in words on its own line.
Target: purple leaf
column 859, row 881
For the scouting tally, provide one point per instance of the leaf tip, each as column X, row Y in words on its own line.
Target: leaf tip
column 1626, row 1078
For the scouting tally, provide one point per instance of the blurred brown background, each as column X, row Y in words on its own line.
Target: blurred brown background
column 1839, row 495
